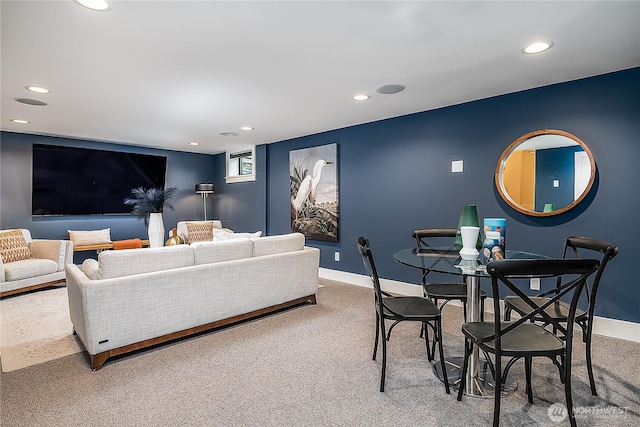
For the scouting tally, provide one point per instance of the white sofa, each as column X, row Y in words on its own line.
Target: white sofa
column 131, row 299
column 44, row 269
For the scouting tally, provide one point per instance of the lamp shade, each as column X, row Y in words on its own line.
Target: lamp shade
column 204, row 188
column 468, row 218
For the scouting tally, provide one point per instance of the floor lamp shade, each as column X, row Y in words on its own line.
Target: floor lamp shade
column 468, row 218
column 204, row 190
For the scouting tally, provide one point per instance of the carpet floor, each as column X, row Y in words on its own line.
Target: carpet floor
column 35, row 328
column 307, row 366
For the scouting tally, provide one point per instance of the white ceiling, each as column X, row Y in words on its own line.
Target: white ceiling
column 165, row 73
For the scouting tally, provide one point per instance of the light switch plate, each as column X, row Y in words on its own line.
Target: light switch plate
column 336, row 256
column 457, row 166
column 534, row 284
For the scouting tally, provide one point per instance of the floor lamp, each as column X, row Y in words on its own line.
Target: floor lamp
column 204, row 190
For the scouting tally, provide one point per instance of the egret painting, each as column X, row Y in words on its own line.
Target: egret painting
column 314, row 192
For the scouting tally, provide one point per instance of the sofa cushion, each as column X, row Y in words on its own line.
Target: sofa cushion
column 137, row 261
column 27, row 268
column 278, row 244
column 91, row 237
column 199, row 232
column 13, row 246
column 228, row 250
column 55, row 250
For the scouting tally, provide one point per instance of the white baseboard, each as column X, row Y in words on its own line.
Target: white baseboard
column 604, row 326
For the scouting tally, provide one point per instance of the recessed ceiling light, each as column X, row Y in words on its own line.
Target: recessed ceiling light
column 228, row 134
column 94, row 4
column 37, row 89
column 537, row 47
column 31, row 102
column 390, row 89
column 194, row 143
column 361, row 97
column 246, row 128
column 21, row 121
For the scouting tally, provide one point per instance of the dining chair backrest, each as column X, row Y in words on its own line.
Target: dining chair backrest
column 423, row 236
column 572, row 275
column 367, row 259
column 586, row 247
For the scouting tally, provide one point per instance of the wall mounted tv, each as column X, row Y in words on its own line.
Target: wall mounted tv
column 81, row 181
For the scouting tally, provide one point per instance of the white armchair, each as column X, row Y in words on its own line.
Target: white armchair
column 45, row 268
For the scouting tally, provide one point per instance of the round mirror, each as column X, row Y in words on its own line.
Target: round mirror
column 545, row 172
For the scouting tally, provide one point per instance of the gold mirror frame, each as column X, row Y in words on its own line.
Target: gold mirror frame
column 513, row 147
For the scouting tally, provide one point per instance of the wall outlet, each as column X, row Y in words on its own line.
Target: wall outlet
column 336, row 256
column 534, row 284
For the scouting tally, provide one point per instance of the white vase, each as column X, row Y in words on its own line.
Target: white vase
column 156, row 230
column 469, row 239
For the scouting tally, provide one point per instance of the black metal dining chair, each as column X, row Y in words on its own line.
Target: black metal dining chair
column 576, row 247
column 443, row 291
column 523, row 339
column 400, row 309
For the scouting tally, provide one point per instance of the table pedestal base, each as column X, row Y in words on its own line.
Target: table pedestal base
column 482, row 386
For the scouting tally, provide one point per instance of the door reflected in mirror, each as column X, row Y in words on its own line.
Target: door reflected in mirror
column 545, row 172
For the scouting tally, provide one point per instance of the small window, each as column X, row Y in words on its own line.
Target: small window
column 241, row 166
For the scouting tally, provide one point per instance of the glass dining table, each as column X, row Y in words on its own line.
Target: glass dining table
column 446, row 260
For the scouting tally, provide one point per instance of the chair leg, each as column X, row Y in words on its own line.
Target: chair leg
column 442, row 361
column 375, row 345
column 592, row 381
column 465, row 366
column 435, row 301
column 507, row 313
column 527, row 373
column 384, row 356
column 431, row 350
column 567, row 393
column 507, row 367
column 498, row 389
column 464, row 310
column 561, row 367
column 487, row 361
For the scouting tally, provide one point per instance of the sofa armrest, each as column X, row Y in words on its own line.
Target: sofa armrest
column 60, row 251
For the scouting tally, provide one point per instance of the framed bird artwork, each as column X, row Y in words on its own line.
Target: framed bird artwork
column 314, row 192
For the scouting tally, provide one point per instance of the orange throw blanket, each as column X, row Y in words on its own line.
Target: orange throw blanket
column 127, row 244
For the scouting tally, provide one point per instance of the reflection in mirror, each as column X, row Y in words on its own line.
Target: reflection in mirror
column 545, row 172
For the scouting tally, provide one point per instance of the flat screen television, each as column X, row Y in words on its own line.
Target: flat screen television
column 81, row 181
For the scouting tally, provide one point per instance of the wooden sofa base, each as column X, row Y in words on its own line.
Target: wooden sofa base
column 97, row 360
column 30, row 288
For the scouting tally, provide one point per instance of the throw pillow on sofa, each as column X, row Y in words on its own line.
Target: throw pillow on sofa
column 91, row 237
column 13, row 246
column 199, row 232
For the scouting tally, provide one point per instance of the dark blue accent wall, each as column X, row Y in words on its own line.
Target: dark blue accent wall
column 395, row 176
